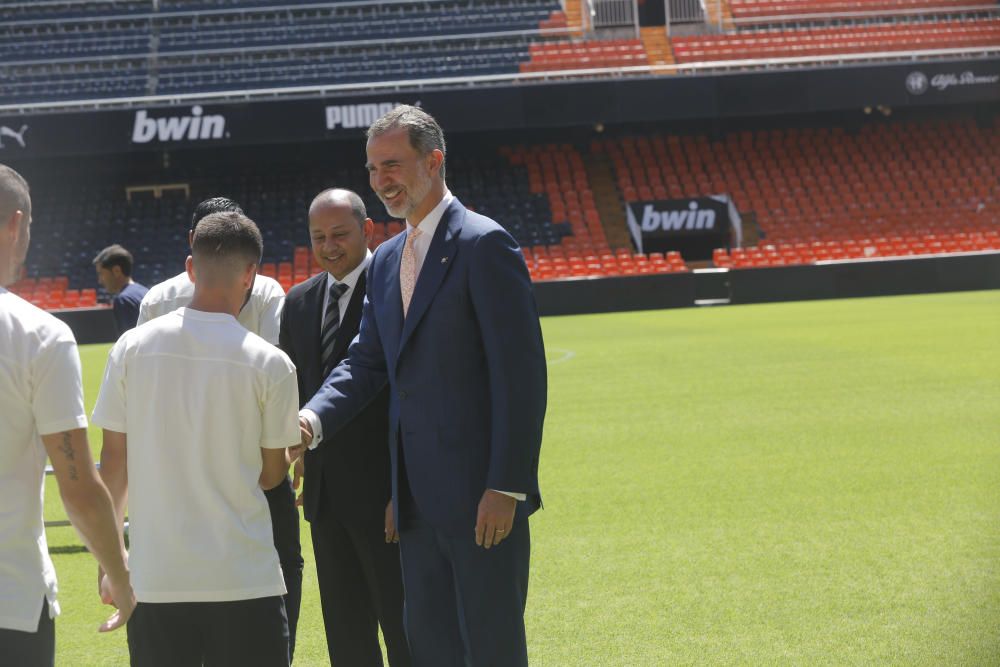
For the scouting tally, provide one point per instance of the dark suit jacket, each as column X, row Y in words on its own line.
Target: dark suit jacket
column 354, row 474
column 466, row 370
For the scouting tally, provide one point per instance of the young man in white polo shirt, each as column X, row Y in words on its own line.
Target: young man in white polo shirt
column 197, row 413
column 261, row 314
column 41, row 392
column 261, row 308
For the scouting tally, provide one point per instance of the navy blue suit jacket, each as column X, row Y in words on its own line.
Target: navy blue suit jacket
column 466, row 370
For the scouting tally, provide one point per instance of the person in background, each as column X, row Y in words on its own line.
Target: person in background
column 41, row 391
column 114, row 274
column 346, row 493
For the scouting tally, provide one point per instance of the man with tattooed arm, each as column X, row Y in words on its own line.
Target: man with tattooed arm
column 42, row 414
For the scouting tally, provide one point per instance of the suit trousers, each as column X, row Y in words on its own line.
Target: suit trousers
column 30, row 649
column 464, row 604
column 360, row 588
column 285, row 527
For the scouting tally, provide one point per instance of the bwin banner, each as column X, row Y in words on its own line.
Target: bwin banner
column 693, row 226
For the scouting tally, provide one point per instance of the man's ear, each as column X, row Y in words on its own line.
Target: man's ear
column 436, row 160
column 248, row 276
column 369, row 231
column 12, row 225
column 189, row 267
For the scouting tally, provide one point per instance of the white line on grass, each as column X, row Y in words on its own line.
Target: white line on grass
column 566, row 355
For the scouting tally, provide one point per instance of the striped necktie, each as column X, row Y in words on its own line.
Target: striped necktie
column 331, row 323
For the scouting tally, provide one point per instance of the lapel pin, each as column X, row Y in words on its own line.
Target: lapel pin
column 444, row 260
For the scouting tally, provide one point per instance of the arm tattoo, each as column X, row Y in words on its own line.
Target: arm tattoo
column 67, row 450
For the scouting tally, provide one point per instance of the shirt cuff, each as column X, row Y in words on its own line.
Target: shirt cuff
column 516, row 496
column 314, row 424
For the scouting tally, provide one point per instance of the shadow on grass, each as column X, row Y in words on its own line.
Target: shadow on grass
column 68, row 549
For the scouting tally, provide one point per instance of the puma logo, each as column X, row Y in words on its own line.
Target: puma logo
column 16, row 136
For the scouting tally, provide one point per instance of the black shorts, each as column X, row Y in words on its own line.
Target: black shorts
column 30, row 649
column 213, row 634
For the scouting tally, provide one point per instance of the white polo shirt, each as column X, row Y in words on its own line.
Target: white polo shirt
column 198, row 396
column 41, row 393
column 261, row 314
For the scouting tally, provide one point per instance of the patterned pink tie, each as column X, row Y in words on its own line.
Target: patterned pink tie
column 408, row 269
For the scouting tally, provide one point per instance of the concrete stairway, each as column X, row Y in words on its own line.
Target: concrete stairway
column 718, row 13
column 600, row 174
column 657, row 46
column 574, row 16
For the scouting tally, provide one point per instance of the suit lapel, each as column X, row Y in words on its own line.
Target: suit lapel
column 313, row 303
column 436, row 264
column 392, row 306
column 350, row 320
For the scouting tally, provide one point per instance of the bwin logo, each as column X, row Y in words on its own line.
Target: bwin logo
column 653, row 220
column 350, row 116
column 178, row 128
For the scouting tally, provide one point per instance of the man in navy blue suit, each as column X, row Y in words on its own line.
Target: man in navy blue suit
column 450, row 322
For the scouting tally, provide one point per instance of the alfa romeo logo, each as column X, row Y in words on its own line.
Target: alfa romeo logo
column 916, row 83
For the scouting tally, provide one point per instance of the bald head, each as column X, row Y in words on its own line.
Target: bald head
column 340, row 198
column 15, row 218
column 339, row 231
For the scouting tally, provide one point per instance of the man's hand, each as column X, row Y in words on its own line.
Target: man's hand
column 391, row 534
column 306, row 431
column 123, row 598
column 298, row 471
column 495, row 519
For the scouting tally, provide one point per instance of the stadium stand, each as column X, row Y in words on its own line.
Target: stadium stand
column 71, row 50
column 129, row 49
column 813, row 193
column 771, row 10
column 823, row 193
column 826, row 41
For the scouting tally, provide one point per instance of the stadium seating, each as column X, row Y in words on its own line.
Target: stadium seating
column 825, row 41
column 71, row 50
column 825, row 193
column 116, row 49
column 560, row 55
column 771, row 9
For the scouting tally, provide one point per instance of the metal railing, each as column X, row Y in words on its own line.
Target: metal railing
column 613, row 14
column 467, row 81
column 685, row 11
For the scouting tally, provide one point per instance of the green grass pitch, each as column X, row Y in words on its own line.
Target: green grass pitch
column 806, row 483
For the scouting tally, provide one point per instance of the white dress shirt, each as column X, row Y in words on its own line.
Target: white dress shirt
column 351, row 280
column 428, row 225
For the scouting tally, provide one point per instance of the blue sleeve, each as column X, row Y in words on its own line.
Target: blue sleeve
column 515, row 357
column 356, row 380
column 126, row 313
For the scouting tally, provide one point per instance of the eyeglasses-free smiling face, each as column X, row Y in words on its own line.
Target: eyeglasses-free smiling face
column 339, row 241
column 401, row 177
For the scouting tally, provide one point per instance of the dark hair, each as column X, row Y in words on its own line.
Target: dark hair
column 424, row 132
column 213, row 205
column 15, row 195
column 115, row 255
column 227, row 236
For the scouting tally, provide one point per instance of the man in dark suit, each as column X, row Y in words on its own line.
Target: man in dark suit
column 450, row 323
column 346, row 493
